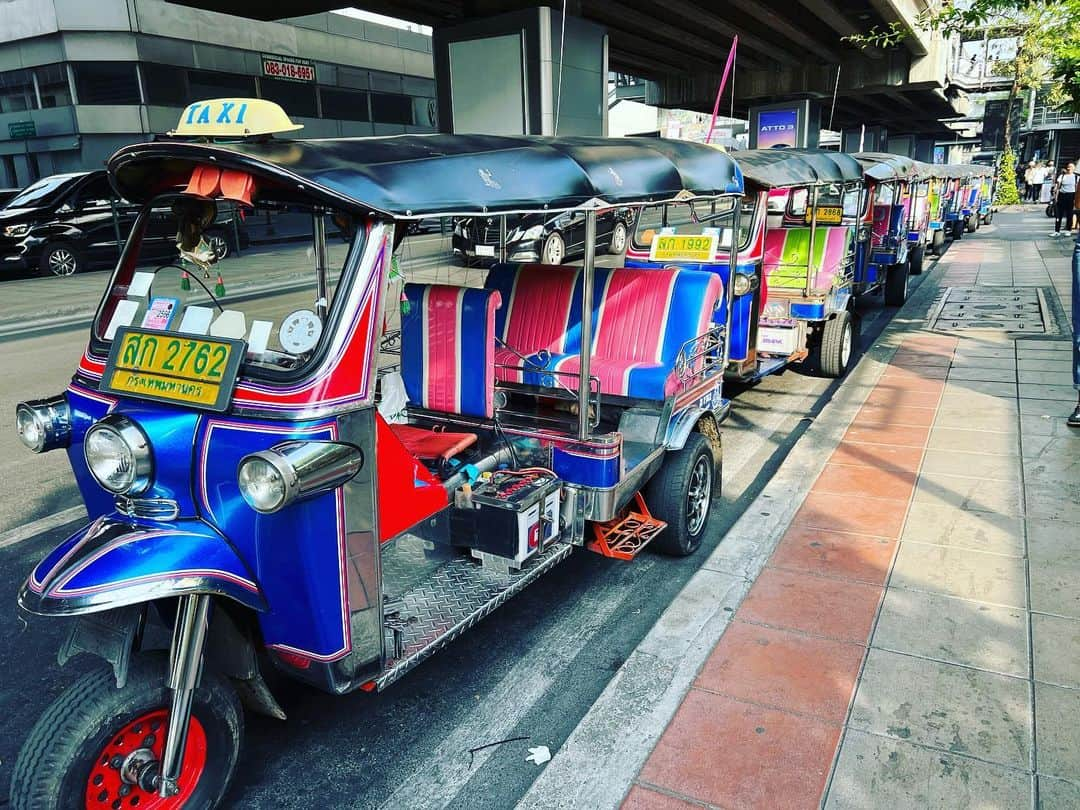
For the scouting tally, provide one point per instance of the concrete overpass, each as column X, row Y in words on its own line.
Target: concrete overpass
column 787, row 51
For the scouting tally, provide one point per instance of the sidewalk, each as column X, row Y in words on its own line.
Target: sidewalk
column 896, row 621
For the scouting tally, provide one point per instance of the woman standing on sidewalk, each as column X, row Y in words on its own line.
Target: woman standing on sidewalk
column 1074, row 419
column 1065, row 196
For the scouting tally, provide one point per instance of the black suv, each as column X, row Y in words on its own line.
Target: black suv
column 70, row 222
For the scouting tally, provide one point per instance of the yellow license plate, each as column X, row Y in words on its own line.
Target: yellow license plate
column 683, row 247
column 827, row 215
column 169, row 367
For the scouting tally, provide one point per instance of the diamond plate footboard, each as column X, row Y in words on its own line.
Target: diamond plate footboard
column 456, row 595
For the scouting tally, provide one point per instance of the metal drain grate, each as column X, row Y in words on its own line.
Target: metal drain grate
column 1003, row 309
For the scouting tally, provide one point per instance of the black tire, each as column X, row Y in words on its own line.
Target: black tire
column 837, row 345
column 971, row 224
column 915, row 258
column 61, row 259
column 937, row 242
column 619, row 234
column 54, row 767
column 219, row 243
column 896, row 284
column 553, row 250
column 668, row 496
column 958, row 230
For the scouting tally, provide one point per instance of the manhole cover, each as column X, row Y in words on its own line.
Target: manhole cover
column 1004, row 309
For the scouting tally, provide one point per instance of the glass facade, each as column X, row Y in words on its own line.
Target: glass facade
column 109, row 83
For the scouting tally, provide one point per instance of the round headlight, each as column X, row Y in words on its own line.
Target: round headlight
column 742, row 285
column 262, row 484
column 118, row 455
column 30, row 428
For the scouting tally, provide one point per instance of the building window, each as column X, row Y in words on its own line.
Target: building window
column 344, row 105
column 16, row 91
column 164, row 85
column 209, row 84
column 296, row 98
column 391, row 108
column 106, row 83
column 53, row 86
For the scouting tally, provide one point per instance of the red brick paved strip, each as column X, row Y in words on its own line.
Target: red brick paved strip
column 762, row 721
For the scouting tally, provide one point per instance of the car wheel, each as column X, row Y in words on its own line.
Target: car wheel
column 61, row 259
column 896, row 284
column 554, row 249
column 219, row 244
column 971, row 224
column 617, row 246
column 915, row 257
column 681, row 494
column 937, row 242
column 837, row 345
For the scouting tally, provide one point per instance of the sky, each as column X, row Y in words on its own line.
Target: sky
column 393, row 22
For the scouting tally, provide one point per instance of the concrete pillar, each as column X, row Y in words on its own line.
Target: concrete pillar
column 501, row 75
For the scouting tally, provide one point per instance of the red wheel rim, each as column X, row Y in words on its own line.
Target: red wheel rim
column 105, row 788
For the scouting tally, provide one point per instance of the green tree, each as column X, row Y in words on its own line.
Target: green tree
column 1007, row 193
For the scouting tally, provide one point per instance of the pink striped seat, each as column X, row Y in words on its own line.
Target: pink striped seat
column 641, row 320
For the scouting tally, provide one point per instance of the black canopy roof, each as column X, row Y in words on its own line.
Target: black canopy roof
column 777, row 168
column 425, row 175
column 886, row 166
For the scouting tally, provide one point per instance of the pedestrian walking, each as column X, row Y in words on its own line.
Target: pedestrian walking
column 1074, row 418
column 1046, row 191
column 1065, row 197
column 1038, row 176
column 1028, row 181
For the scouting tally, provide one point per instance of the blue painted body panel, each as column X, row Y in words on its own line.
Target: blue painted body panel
column 577, row 465
column 808, row 311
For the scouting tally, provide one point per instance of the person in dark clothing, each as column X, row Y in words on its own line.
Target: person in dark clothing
column 1074, row 419
column 1065, row 196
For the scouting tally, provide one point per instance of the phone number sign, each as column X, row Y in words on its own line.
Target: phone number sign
column 289, row 68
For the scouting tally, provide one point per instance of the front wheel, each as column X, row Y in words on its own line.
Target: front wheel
column 937, row 242
column 61, row 259
column 219, row 243
column 681, row 495
column 837, row 345
column 971, row 224
column 896, row 285
column 915, row 259
column 98, row 746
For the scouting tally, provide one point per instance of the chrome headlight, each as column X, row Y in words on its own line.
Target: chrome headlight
column 518, row 235
column 744, row 283
column 44, row 424
column 272, row 479
column 118, row 455
column 17, row 230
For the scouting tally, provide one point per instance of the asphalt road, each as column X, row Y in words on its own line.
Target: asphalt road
column 531, row 670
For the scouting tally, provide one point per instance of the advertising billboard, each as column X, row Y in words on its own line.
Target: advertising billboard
column 778, row 129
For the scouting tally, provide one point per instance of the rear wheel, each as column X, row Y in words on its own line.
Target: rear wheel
column 896, row 285
column 937, row 242
column 618, row 239
column 915, row 258
column 554, row 249
column 61, row 259
column 971, row 224
column 98, row 746
column 837, row 345
column 681, row 495
column 958, row 230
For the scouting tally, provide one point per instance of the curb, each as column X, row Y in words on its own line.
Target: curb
column 615, row 737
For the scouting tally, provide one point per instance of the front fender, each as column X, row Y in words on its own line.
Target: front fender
column 111, row 563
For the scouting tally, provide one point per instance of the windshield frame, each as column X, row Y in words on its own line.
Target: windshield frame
column 737, row 201
column 100, row 347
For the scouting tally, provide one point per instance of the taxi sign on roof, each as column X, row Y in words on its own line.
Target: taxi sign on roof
column 233, row 118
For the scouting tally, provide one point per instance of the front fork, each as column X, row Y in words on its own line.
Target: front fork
column 185, row 666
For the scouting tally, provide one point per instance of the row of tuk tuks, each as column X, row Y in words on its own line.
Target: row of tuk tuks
column 334, row 478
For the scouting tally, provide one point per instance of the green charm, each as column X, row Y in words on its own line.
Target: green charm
column 185, row 282
column 219, row 288
column 406, row 307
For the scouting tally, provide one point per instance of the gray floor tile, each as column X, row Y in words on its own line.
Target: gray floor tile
column 954, row 630
column 1044, row 408
column 954, row 462
column 1004, row 372
column 963, row 492
column 982, row 419
column 1025, row 345
column 1027, row 366
column 960, row 710
column 979, row 531
column 1049, row 424
column 1057, row 732
column 1029, row 354
column 875, row 772
column 1056, row 650
column 966, row 401
column 1052, row 487
column 1062, row 376
column 1061, row 393
column 1057, row 794
column 994, row 389
column 959, row 572
column 976, row 441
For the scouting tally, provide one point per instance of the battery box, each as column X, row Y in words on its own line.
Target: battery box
column 511, row 515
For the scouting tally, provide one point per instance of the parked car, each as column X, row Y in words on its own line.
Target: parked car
column 65, row 223
column 546, row 238
column 6, row 194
